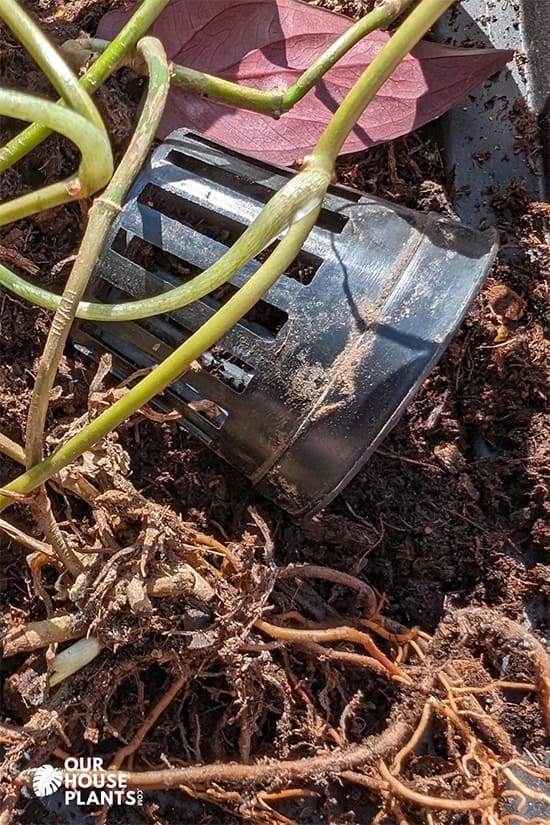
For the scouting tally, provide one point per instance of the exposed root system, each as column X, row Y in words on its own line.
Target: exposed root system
column 182, row 618
column 394, row 672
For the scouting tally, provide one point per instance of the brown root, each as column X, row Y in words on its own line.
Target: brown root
column 424, row 800
column 485, row 624
column 277, row 773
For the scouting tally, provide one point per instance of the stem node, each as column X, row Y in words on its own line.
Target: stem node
column 74, row 188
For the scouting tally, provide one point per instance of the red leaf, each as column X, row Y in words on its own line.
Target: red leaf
column 268, row 43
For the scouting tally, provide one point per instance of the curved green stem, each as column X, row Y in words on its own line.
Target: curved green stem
column 303, row 192
column 244, row 249
column 323, row 157
column 96, row 165
column 125, row 40
column 173, row 366
column 380, row 17
column 265, row 101
column 50, row 61
column 384, row 64
column 101, row 216
column 200, row 83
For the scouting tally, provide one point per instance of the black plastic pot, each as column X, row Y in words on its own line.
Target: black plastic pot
column 299, row 394
column 301, row 391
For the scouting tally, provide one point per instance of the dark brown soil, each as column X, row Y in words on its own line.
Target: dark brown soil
column 451, row 513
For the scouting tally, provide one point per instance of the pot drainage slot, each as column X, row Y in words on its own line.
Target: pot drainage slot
column 264, row 319
column 227, row 368
column 155, row 260
column 200, row 218
column 165, row 334
column 209, row 411
column 352, row 195
column 219, row 228
column 140, row 347
column 331, row 221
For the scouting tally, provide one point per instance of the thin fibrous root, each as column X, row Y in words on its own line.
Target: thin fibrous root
column 420, row 731
column 514, row 780
column 149, row 721
column 427, row 801
column 486, row 624
column 498, row 683
column 345, row 656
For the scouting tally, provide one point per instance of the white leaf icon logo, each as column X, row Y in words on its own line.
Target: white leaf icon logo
column 46, row 780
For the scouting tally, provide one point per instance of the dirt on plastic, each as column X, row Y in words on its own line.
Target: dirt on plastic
column 448, row 522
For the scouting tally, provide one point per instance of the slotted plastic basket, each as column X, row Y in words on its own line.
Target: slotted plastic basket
column 301, row 391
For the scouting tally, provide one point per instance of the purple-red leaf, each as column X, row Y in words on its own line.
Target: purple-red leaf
column 268, row 43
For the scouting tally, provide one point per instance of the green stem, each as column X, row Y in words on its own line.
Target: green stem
column 126, row 39
column 12, row 449
column 379, row 18
column 260, row 100
column 50, row 61
column 96, row 165
column 200, row 83
column 384, row 64
column 173, row 366
column 255, row 238
column 102, row 214
column 302, row 193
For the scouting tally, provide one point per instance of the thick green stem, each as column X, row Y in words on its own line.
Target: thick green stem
column 301, row 194
column 258, row 234
column 173, row 366
column 50, row 61
column 102, row 214
column 200, row 83
column 126, row 39
column 384, row 64
column 96, row 165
